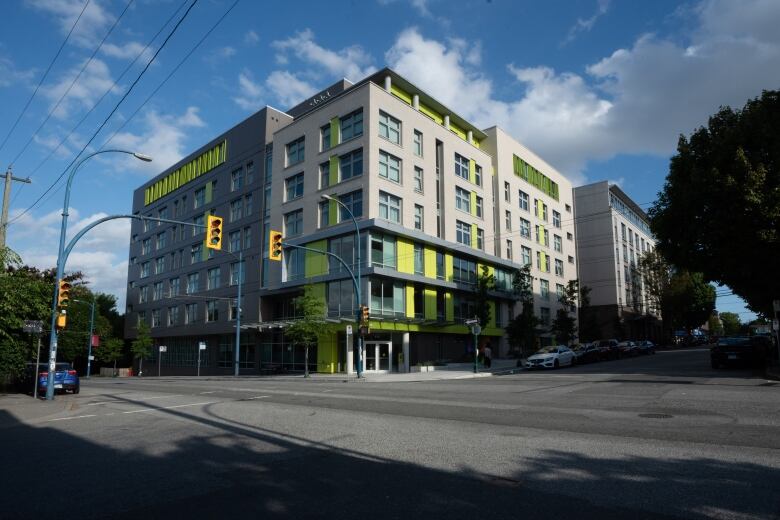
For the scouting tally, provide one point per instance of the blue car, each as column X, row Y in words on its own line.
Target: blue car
column 65, row 379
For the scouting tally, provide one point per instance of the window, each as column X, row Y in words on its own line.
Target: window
column 237, row 179
column 163, row 213
column 247, row 237
column 343, row 247
column 571, row 259
column 173, row 316
column 464, row 271
column 162, row 240
column 508, row 220
column 623, row 231
column 173, row 287
column 341, row 297
column 418, row 143
column 525, row 254
column 419, row 262
column 389, row 128
column 462, row 199
column 294, row 264
column 522, row 198
column 478, row 175
column 463, row 233
column 544, row 315
column 213, row 278
column 193, row 283
column 250, row 172
column 144, row 269
column 558, row 243
column 559, row 290
column 143, row 294
column 556, row 219
column 419, row 215
column 354, row 201
column 190, row 313
column 248, row 205
column 387, row 297
column 212, row 311
column 439, row 265
column 156, row 318
column 352, row 125
column 509, row 249
column 234, row 240
column 296, row 151
column 389, row 207
column 544, row 289
column 196, row 253
column 418, row 179
column 325, row 137
column 146, row 246
column 461, row 166
column 325, row 213
column 235, row 270
column 525, row 228
column 157, row 294
column 478, row 209
column 200, row 197
column 480, row 239
column 325, row 175
column 543, row 262
column 558, row 267
column 383, row 250
column 294, row 186
column 236, row 210
column 389, row 167
column 464, row 307
column 630, row 237
column 293, row 223
column 198, row 227
column 568, row 208
column 506, row 191
column 147, row 224
column 569, row 236
column 351, row 164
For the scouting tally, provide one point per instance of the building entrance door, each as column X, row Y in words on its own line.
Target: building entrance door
column 378, row 356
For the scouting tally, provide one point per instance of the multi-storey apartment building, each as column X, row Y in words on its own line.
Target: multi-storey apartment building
column 612, row 235
column 437, row 202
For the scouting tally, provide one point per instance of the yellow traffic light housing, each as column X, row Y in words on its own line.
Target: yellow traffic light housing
column 214, row 232
column 62, row 318
column 364, row 314
column 275, row 246
column 63, row 294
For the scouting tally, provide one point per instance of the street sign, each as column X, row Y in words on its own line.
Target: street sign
column 202, row 345
column 95, row 340
column 163, row 348
column 349, row 330
column 92, row 358
column 33, row 326
column 476, row 330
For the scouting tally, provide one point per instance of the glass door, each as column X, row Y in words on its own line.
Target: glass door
column 377, row 356
column 384, row 356
column 370, row 352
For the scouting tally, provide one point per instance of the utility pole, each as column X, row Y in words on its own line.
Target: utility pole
column 6, row 201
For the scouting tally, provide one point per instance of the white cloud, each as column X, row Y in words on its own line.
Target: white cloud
column 93, row 82
column 288, row 88
column 92, row 25
column 352, row 62
column 127, row 51
column 163, row 137
column 10, row 75
column 251, row 38
column 251, row 92
column 586, row 24
column 219, row 55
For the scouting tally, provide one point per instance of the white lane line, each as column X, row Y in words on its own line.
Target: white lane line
column 212, row 392
column 169, row 407
column 258, row 397
column 69, row 418
column 121, row 401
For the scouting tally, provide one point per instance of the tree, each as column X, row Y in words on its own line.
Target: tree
column 111, row 350
column 306, row 330
column 589, row 327
column 521, row 330
column 564, row 326
column 691, row 300
column 141, row 347
column 731, row 323
column 719, row 211
column 714, row 325
column 485, row 282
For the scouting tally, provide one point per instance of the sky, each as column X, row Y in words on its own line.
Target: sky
column 601, row 89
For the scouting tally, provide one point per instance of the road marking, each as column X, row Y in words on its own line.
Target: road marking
column 124, row 400
column 69, row 418
column 169, row 407
column 258, row 397
column 212, row 392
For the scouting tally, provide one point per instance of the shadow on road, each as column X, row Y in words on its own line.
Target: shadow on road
column 230, row 469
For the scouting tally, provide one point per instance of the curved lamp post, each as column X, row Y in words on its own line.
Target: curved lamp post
column 60, row 248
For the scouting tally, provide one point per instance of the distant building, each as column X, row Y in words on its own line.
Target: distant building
column 612, row 235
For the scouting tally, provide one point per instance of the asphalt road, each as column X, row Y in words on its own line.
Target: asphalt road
column 660, row 436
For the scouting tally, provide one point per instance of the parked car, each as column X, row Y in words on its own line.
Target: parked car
column 608, row 349
column 627, row 348
column 646, row 347
column 65, row 378
column 551, row 357
column 740, row 350
column 585, row 353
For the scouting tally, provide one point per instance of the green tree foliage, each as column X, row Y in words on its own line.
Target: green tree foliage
column 714, row 325
column 564, row 326
column 691, row 300
column 522, row 329
column 719, row 211
column 485, row 282
column 731, row 323
column 141, row 347
column 589, row 327
column 310, row 326
column 110, row 351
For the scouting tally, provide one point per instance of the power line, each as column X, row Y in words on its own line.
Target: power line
column 43, row 78
column 116, row 107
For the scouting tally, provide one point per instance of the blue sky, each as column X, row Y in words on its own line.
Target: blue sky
column 599, row 88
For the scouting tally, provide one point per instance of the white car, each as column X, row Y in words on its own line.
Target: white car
column 551, row 357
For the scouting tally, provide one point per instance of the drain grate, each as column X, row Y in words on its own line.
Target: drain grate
column 655, row 416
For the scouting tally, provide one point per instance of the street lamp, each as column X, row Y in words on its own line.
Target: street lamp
column 357, row 274
column 60, row 266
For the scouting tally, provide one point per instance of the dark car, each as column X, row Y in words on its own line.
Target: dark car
column 608, row 349
column 740, row 350
column 65, row 378
column 586, row 353
column 646, row 347
column 627, row 348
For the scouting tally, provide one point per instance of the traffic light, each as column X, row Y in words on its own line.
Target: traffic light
column 364, row 314
column 63, row 295
column 214, row 232
column 62, row 318
column 275, row 246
